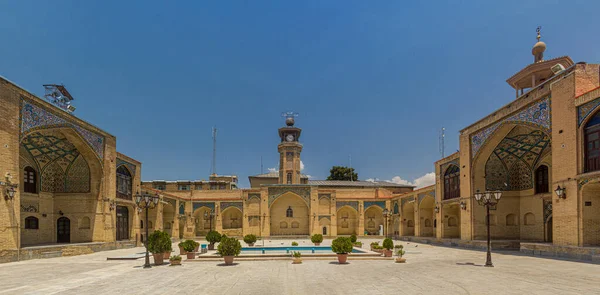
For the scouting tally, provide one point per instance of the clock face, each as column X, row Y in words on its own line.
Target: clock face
column 289, row 137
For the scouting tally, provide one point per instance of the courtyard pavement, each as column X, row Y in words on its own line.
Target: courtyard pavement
column 429, row 270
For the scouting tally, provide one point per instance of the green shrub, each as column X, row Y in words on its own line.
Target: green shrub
column 400, row 253
column 374, row 243
column 388, row 244
column 175, row 258
column 341, row 245
column 294, row 243
column 353, row 238
column 182, row 244
column 213, row 237
column 189, row 246
column 250, row 239
column 229, row 247
column 159, row 242
column 296, row 254
column 398, row 247
column 316, row 238
column 358, row 244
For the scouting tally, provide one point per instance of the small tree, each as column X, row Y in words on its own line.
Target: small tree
column 229, row 247
column 341, row 245
column 353, row 238
column 316, row 238
column 342, row 173
column 213, row 237
column 250, row 239
column 159, row 242
column 388, row 244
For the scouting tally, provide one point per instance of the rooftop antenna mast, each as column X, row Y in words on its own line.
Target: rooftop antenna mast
column 261, row 165
column 214, row 157
column 441, row 139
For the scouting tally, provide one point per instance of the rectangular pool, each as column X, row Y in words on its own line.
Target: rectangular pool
column 290, row 249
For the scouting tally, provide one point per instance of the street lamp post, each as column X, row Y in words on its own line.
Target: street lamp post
column 146, row 201
column 386, row 214
column 488, row 199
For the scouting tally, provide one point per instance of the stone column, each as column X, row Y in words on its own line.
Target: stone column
column 218, row 225
column 265, row 218
column 175, row 226
column 417, row 216
column 188, row 229
column 333, row 209
column 361, row 219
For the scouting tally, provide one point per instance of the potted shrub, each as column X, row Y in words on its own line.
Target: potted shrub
column 342, row 246
column 294, row 243
column 297, row 257
column 229, row 248
column 378, row 249
column 358, row 244
column 158, row 243
column 250, row 239
column 373, row 244
column 168, row 247
column 317, row 239
column 189, row 247
column 353, row 238
column 180, row 245
column 399, row 253
column 175, row 260
column 388, row 245
column 213, row 237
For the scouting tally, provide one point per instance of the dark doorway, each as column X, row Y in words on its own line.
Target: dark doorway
column 324, row 230
column 122, row 223
column 549, row 230
column 63, row 230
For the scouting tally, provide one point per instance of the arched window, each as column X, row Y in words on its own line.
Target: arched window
column 84, row 223
column 411, row 223
column 29, row 180
column 452, row 182
column 427, row 223
column 123, row 183
column 452, row 221
column 529, row 219
column 32, row 222
column 592, row 144
column 289, row 212
column 541, row 180
column 396, row 209
column 295, row 224
column 283, row 224
column 511, row 220
column 289, row 178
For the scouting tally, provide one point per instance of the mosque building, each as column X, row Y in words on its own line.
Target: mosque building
column 66, row 190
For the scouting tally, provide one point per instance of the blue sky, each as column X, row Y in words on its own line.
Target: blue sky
column 374, row 79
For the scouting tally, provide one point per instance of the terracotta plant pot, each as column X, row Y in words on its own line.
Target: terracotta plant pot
column 196, row 249
column 191, row 255
column 317, row 244
column 158, row 258
column 251, row 245
column 297, row 260
column 342, row 258
column 175, row 262
column 387, row 253
column 400, row 260
column 181, row 251
column 211, row 246
column 166, row 255
column 228, row 260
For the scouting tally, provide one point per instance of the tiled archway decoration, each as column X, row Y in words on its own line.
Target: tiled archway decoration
column 276, row 192
column 225, row 205
column 380, row 204
column 34, row 118
column 209, row 205
column 129, row 166
column 340, row 204
column 422, row 196
column 537, row 115
column 583, row 111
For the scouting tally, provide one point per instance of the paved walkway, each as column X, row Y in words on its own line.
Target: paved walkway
column 429, row 270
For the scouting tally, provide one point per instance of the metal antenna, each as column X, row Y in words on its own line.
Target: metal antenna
column 261, row 165
column 214, row 158
column 441, row 139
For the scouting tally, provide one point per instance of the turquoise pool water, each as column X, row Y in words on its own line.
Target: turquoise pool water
column 290, row 249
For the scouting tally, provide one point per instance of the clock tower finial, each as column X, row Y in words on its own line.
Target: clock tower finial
column 289, row 150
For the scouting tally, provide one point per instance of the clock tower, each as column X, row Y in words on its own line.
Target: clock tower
column 289, row 151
